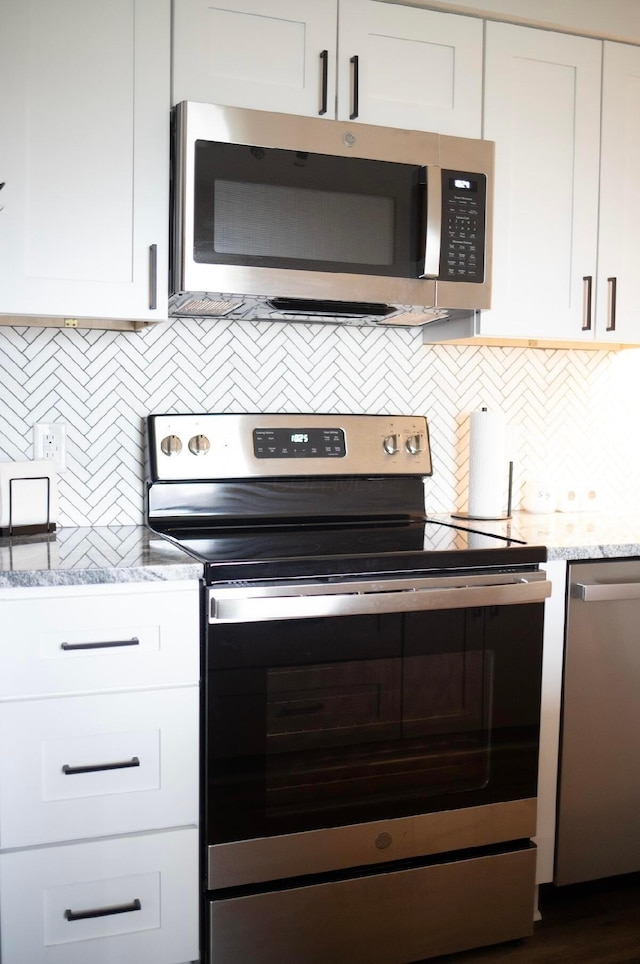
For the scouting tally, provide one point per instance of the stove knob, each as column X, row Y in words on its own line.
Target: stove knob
column 392, row 444
column 415, row 444
column 171, row 445
column 199, row 445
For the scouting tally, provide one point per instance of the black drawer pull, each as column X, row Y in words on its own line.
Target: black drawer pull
column 107, row 644
column 301, row 710
column 95, row 767
column 103, row 911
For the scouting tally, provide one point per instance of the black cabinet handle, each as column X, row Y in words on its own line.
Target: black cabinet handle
column 106, row 644
column 586, row 302
column 611, row 303
column 355, row 61
column 153, row 276
column 324, row 59
column 95, row 767
column 103, row 911
column 2, row 184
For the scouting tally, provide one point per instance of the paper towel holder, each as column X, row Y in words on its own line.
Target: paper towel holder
column 492, row 518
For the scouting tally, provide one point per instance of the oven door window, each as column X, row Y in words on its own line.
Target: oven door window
column 323, row 723
column 275, row 208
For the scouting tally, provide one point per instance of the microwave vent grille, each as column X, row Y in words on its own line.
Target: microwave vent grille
column 205, row 307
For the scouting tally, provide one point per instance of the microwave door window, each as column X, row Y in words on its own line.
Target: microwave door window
column 287, row 209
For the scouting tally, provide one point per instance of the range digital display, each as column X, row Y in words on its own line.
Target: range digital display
column 299, row 443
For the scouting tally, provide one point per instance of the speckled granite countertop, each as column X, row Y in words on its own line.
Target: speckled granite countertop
column 108, row 554
column 76, row 556
column 569, row 535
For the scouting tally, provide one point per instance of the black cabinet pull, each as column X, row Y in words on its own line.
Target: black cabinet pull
column 324, row 58
column 103, row 911
column 355, row 61
column 95, row 767
column 586, row 302
column 107, row 644
column 153, row 276
column 611, row 303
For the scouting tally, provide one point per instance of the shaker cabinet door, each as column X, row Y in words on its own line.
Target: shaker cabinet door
column 262, row 54
column 542, row 108
column 618, row 292
column 415, row 69
column 84, row 157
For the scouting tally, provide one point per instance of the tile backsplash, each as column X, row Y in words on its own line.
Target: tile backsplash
column 572, row 415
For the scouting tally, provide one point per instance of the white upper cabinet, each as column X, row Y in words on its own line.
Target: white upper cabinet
column 618, row 288
column 413, row 68
column 542, row 108
column 84, row 154
column 364, row 60
column 263, row 54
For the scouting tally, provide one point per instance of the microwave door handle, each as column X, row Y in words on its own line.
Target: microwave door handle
column 433, row 223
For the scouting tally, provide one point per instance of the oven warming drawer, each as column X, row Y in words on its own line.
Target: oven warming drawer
column 309, row 600
column 389, row 918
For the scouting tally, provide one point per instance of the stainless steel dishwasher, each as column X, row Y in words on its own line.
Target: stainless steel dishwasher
column 599, row 793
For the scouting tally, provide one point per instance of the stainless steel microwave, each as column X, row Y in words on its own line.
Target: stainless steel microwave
column 294, row 218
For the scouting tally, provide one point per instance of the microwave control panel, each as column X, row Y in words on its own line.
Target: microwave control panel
column 464, row 201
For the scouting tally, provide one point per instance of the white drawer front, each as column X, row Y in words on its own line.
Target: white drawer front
column 144, row 888
column 96, row 639
column 89, row 766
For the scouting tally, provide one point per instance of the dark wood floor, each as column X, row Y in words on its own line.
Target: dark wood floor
column 597, row 923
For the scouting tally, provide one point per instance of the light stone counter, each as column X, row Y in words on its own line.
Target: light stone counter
column 110, row 554
column 569, row 535
column 80, row 556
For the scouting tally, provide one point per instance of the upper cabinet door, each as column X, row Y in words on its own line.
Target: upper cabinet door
column 277, row 55
column 84, row 154
column 542, row 108
column 618, row 292
column 416, row 69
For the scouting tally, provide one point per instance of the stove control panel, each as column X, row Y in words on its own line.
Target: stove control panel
column 208, row 447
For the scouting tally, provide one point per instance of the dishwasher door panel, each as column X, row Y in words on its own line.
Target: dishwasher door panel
column 599, row 794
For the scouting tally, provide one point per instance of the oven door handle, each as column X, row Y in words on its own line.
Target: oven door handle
column 247, row 609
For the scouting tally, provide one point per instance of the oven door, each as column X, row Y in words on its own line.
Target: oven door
column 383, row 720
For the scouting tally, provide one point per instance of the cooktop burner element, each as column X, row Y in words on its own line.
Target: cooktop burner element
column 270, row 496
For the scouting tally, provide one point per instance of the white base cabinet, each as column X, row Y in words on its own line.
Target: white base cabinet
column 99, row 764
column 127, row 900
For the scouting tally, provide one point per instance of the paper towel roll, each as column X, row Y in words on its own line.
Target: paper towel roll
column 487, row 465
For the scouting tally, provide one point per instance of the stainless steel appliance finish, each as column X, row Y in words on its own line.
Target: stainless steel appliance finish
column 386, row 918
column 599, row 794
column 446, row 268
column 192, row 447
column 306, row 600
column 370, row 692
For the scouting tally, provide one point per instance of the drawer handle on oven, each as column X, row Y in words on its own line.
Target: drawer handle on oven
column 106, row 644
column 314, row 606
column 102, row 911
column 94, row 767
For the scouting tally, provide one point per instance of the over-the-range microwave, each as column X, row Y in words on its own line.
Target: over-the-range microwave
column 293, row 218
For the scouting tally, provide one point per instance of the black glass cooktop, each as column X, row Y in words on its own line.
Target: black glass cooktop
column 315, row 549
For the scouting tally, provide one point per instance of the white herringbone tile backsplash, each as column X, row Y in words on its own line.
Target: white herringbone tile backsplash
column 572, row 414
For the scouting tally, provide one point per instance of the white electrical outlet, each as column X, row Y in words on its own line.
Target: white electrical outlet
column 50, row 443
